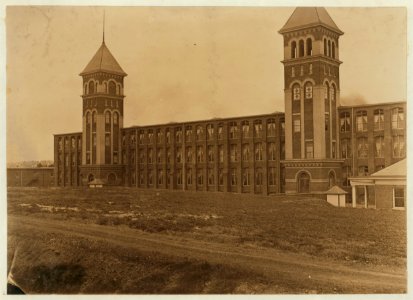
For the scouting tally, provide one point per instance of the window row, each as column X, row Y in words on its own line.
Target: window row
column 110, row 88
column 248, row 130
column 398, row 147
column 198, row 177
column 397, row 120
column 329, row 48
column 301, row 48
column 69, row 142
column 329, row 92
column 198, row 155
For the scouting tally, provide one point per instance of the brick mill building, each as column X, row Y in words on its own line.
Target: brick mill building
column 314, row 145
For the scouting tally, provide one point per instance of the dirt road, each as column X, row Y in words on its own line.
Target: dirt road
column 269, row 262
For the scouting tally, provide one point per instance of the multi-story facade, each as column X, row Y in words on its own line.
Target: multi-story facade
column 314, row 145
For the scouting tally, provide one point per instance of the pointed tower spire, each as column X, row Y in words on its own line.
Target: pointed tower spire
column 103, row 40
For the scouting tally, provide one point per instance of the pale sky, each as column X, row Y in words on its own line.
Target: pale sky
column 183, row 64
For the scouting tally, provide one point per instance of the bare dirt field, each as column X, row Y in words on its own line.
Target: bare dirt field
column 133, row 241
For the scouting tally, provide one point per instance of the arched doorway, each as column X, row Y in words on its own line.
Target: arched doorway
column 303, row 182
column 111, row 179
column 90, row 178
column 331, row 179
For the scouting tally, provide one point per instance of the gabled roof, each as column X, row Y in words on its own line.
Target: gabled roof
column 103, row 60
column 335, row 190
column 304, row 17
column 395, row 170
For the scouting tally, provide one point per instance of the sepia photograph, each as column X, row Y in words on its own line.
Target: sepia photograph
column 187, row 150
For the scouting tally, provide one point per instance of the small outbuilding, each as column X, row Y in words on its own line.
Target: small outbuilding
column 336, row 196
column 383, row 189
column 96, row 183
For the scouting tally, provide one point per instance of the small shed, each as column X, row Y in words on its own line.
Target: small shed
column 336, row 196
column 96, row 183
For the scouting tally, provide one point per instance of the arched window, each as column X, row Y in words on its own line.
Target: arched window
column 112, row 88
column 327, row 91
column 94, row 118
column 308, row 90
column 85, row 92
column 107, row 117
column 333, row 50
column 325, row 47
column 293, row 49
column 118, row 89
column 333, row 93
column 88, row 118
column 309, row 46
column 331, row 179
column 91, row 87
column 301, row 48
column 115, row 118
column 296, row 92
column 329, row 48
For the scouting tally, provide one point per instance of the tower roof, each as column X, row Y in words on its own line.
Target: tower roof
column 103, row 60
column 303, row 17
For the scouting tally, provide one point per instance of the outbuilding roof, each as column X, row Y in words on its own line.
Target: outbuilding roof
column 303, row 17
column 103, row 60
column 395, row 170
column 336, row 190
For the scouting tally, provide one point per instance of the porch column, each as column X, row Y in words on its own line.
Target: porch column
column 365, row 196
column 353, row 195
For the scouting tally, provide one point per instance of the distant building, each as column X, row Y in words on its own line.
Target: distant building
column 313, row 146
column 33, row 177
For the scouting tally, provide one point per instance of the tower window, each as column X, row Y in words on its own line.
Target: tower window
column 115, row 118
column 333, row 54
column 91, row 87
column 310, row 71
column 325, row 47
column 112, row 88
column 308, row 91
column 309, row 47
column 296, row 92
column 302, row 70
column 293, row 49
column 301, row 48
column 297, row 125
column 292, row 72
column 329, row 48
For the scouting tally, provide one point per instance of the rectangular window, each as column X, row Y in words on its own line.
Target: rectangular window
column 188, row 134
column 309, row 149
column 378, row 120
column 178, row 135
column 297, row 125
column 200, row 154
column 178, row 155
column 189, row 176
column 271, row 176
column 362, row 147
column 363, row 171
column 150, row 156
column 361, row 121
column 399, row 197
column 211, row 154
column 258, row 151
column 159, row 155
column 221, row 153
column 188, row 154
column 141, row 137
column 160, row 177
column 199, row 133
column 211, row 178
column 271, row 151
column 178, row 177
column 233, row 153
column 399, row 148
column 220, row 177
column 397, row 118
column 210, row 131
column 233, row 130
column 159, row 136
column 245, row 177
column 245, row 152
column 258, row 177
column 258, row 129
column 200, row 177
column 345, row 148
column 168, row 136
column 220, row 132
column 233, row 177
column 271, row 128
column 245, row 129
column 379, row 146
column 150, row 136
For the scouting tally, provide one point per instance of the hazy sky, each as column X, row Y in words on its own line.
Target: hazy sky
column 182, row 63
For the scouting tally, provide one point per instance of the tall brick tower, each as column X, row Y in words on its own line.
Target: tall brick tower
column 312, row 89
column 102, row 119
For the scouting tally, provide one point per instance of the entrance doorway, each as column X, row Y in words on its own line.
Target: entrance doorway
column 303, row 182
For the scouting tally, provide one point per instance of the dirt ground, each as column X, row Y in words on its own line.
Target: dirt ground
column 59, row 242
